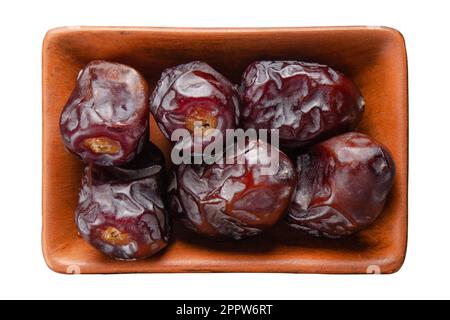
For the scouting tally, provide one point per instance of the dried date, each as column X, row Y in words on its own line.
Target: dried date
column 194, row 96
column 237, row 199
column 121, row 211
column 105, row 120
column 342, row 185
column 306, row 102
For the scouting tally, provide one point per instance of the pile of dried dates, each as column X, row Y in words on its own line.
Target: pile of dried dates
column 333, row 184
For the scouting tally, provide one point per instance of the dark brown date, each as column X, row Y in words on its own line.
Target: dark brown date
column 234, row 200
column 121, row 211
column 194, row 96
column 342, row 185
column 307, row 102
column 105, row 120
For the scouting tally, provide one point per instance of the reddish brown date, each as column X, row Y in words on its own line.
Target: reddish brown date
column 121, row 211
column 233, row 200
column 342, row 185
column 195, row 96
column 105, row 120
column 307, row 102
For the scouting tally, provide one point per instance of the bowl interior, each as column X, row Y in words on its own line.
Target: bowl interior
column 374, row 58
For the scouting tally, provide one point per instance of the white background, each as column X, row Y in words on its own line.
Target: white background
column 23, row 273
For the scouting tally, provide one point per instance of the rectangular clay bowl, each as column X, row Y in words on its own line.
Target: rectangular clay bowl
column 375, row 58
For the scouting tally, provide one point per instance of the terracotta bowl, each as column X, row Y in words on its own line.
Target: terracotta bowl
column 375, row 58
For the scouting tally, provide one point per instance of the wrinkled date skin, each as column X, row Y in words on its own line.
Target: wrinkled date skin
column 195, row 96
column 232, row 200
column 342, row 186
column 307, row 102
column 121, row 211
column 105, row 120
